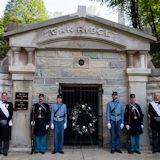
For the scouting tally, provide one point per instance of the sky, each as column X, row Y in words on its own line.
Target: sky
column 70, row 6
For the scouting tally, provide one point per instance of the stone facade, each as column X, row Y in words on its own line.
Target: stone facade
column 45, row 55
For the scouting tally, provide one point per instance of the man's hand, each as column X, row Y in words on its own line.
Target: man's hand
column 47, row 126
column 109, row 126
column 142, row 126
column 52, row 126
column 65, row 125
column 32, row 123
column 127, row 127
column 122, row 125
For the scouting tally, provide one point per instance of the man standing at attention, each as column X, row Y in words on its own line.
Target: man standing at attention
column 58, row 123
column 6, row 113
column 40, row 118
column 154, row 113
column 115, row 121
column 134, row 124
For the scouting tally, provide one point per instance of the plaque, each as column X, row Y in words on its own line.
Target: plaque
column 21, row 101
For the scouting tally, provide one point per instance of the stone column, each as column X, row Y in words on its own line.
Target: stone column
column 131, row 58
column 16, row 53
column 142, row 56
column 30, row 52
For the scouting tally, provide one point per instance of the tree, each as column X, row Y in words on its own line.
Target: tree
column 25, row 11
column 21, row 12
column 142, row 13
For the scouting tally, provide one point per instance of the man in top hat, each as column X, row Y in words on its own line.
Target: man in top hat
column 40, row 119
column 134, row 124
column 115, row 121
column 6, row 113
column 58, row 123
column 154, row 113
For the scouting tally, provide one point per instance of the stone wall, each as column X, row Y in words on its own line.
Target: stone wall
column 54, row 67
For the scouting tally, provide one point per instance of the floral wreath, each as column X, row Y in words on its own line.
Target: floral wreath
column 83, row 120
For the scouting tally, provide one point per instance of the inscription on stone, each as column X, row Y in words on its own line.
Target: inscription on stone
column 78, row 29
column 21, row 101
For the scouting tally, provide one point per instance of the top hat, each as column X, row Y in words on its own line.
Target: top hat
column 114, row 93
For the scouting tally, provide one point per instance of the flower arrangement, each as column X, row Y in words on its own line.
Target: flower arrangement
column 83, row 120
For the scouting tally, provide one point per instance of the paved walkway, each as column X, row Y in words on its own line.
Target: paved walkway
column 82, row 154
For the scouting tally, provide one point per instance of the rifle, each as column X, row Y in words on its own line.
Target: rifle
column 32, row 131
column 128, row 131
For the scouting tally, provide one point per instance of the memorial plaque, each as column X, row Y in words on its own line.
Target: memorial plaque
column 21, row 101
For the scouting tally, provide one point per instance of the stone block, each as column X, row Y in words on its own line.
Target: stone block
column 64, row 54
column 46, row 53
column 117, row 64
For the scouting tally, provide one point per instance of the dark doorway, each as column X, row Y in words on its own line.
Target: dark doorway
column 79, row 94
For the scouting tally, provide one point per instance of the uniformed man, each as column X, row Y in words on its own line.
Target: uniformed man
column 154, row 113
column 115, row 121
column 134, row 124
column 6, row 113
column 58, row 123
column 40, row 118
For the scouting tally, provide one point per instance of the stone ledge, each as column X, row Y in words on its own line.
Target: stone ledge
column 138, row 71
column 22, row 69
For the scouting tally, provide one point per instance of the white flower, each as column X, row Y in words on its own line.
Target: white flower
column 83, row 127
column 73, row 124
column 90, row 124
column 89, row 108
column 73, row 118
column 83, row 106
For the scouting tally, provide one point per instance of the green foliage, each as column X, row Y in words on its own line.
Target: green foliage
column 20, row 12
column 25, row 11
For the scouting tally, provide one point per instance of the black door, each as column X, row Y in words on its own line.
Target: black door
column 81, row 94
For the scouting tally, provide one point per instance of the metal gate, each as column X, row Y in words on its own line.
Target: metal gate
column 79, row 94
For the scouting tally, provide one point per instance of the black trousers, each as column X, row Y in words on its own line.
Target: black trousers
column 4, row 147
column 155, row 141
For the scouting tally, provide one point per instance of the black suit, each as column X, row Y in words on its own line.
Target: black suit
column 155, row 127
column 5, row 131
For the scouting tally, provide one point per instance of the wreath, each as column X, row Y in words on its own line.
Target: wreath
column 83, row 120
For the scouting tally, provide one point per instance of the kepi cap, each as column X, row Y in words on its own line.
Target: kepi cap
column 132, row 96
column 59, row 96
column 114, row 93
column 41, row 95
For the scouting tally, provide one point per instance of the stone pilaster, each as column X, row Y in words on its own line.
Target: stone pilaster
column 16, row 53
column 30, row 52
column 142, row 57
column 131, row 58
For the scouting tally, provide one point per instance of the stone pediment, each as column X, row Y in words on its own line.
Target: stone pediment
column 80, row 30
column 78, row 34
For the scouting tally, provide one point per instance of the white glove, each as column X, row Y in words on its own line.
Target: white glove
column 65, row 125
column 52, row 126
column 32, row 123
column 109, row 126
column 142, row 126
column 47, row 126
column 127, row 127
column 122, row 125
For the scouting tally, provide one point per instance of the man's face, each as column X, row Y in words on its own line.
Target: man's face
column 157, row 96
column 132, row 100
column 4, row 97
column 41, row 99
column 114, row 97
column 59, row 100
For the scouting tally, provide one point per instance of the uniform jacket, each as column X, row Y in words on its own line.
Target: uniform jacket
column 115, row 111
column 61, row 115
column 5, row 131
column 134, row 118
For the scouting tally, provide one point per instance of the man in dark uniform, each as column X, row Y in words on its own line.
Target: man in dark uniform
column 6, row 113
column 58, row 123
column 154, row 113
column 134, row 124
column 40, row 118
